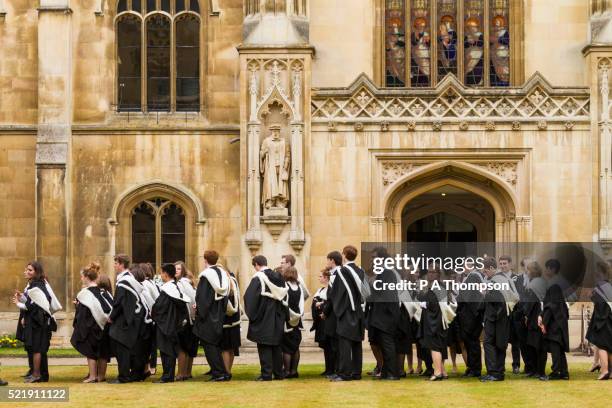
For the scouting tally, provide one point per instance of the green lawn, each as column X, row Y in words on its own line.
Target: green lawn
column 312, row 390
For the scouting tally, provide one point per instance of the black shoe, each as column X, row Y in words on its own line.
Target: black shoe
column 564, row 376
column 331, row 376
column 436, row 378
column 117, row 381
column 470, row 374
column 31, row 380
column 294, row 375
column 403, row 375
column 603, row 377
column 427, row 373
column 338, row 378
column 595, row 368
column 516, row 370
column 356, row 377
column 28, row 374
column 543, row 378
column 262, row 378
column 162, row 381
column 486, row 378
column 3, row 383
column 390, row 378
column 530, row 375
column 221, row 378
column 554, row 376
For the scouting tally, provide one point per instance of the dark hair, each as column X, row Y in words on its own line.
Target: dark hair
column 259, row 260
column 350, row 252
column 211, row 256
column 336, row 257
column 147, row 268
column 104, row 282
column 169, row 269
column 39, row 272
column 380, row 252
column 326, row 272
column 123, row 259
column 289, row 258
column 290, row 274
column 553, row 264
column 506, row 258
column 138, row 273
column 91, row 271
column 489, row 263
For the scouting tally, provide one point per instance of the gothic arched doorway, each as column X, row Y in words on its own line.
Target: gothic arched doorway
column 448, row 214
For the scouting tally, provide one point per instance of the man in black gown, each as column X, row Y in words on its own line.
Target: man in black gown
column 344, row 301
column 211, row 305
column 383, row 318
column 170, row 313
column 496, row 323
column 470, row 313
column 554, row 321
column 263, row 304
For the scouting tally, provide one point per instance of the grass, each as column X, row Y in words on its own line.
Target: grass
column 53, row 352
column 312, row 390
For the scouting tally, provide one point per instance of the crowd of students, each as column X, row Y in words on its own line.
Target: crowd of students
column 173, row 314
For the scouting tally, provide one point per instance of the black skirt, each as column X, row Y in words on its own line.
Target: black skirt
column 454, row 338
column 291, row 341
column 188, row 342
column 404, row 338
column 599, row 332
column 230, row 339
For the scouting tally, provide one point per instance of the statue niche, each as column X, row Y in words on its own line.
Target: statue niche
column 275, row 159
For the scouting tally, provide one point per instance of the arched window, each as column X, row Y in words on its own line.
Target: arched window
column 425, row 40
column 158, row 232
column 158, row 55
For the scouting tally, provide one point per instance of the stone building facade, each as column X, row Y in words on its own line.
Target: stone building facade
column 128, row 126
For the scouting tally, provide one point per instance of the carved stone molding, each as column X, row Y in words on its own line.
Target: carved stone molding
column 391, row 171
column 451, row 101
column 507, row 171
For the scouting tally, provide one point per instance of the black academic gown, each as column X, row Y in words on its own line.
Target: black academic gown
column 126, row 323
column 600, row 326
column 470, row 311
column 267, row 316
column 532, row 309
column 210, row 312
column 432, row 333
column 496, row 316
column 318, row 324
column 384, row 311
column 349, row 322
column 38, row 325
column 555, row 316
column 170, row 316
column 87, row 337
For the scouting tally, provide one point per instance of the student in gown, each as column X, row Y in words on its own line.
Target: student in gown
column 170, row 313
column 384, row 315
column 230, row 341
column 521, row 282
column 147, row 329
column 263, row 304
column 36, row 304
column 92, row 309
column 288, row 261
column 536, row 351
column 554, row 321
column 599, row 332
column 151, row 293
column 433, row 328
column 292, row 337
column 405, row 336
column 106, row 288
column 454, row 339
column 189, row 341
column 505, row 267
column 423, row 353
column 497, row 314
column 470, row 311
column 318, row 324
column 345, row 306
column 211, row 306
column 127, row 319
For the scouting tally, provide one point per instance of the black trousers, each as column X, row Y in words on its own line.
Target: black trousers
column 559, row 360
column 386, row 342
column 425, row 355
column 330, row 358
column 531, row 358
column 270, row 360
column 474, row 354
column 141, row 355
column 153, row 354
column 124, row 361
column 350, row 358
column 495, row 357
column 214, row 359
column 169, row 366
column 538, row 357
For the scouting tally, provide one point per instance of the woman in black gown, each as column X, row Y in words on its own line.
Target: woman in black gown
column 230, row 341
column 599, row 332
column 318, row 324
column 432, row 331
column 36, row 322
column 290, row 344
column 92, row 308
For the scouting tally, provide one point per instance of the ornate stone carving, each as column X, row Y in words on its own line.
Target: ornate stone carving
column 436, row 126
column 490, row 126
column 537, row 100
column 393, row 170
column 411, row 126
column 542, row 125
column 508, row 171
column 464, row 125
column 516, row 125
column 274, row 165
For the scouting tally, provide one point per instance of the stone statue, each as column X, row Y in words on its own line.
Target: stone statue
column 274, row 165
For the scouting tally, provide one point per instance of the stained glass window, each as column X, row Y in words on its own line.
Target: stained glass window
column 395, row 43
column 469, row 39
